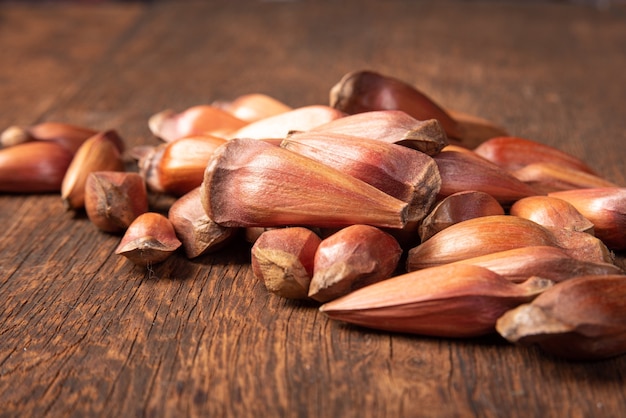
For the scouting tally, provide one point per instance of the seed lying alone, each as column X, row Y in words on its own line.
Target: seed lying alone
column 283, row 259
column 150, row 239
column 253, row 183
column 583, row 318
column 445, row 301
column 353, row 257
column 404, row 173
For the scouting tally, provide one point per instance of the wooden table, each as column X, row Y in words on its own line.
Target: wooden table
column 85, row 333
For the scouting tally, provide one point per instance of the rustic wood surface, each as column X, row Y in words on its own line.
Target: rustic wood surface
column 85, row 333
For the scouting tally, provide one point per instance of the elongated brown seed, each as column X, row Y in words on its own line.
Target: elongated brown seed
column 177, row 167
column 518, row 264
column 67, row 135
column 583, row 319
column 513, row 153
column 298, row 119
column 489, row 234
column 444, row 301
column 169, row 125
column 401, row 172
column 33, row 167
column 393, row 126
column 364, row 91
column 253, row 183
column 605, row 207
column 550, row 177
column 463, row 171
column 100, row 152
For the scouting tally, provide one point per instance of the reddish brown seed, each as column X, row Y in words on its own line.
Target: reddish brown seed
column 392, row 126
column 582, row 319
column 489, row 234
column 518, row 264
column 605, row 207
column 177, row 167
column 364, row 91
column 551, row 211
column 197, row 232
column 150, row 239
column 444, row 301
column 550, row 177
column 113, row 200
column 100, row 152
column 278, row 126
column 195, row 120
column 513, row 153
column 401, row 172
column 254, row 106
column 462, row 171
column 67, row 135
column 456, row 208
column 33, row 167
column 283, row 260
column 353, row 257
column 253, row 183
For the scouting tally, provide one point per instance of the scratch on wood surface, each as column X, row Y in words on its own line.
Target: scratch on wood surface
column 117, row 377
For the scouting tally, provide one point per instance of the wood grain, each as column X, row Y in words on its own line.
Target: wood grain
column 85, row 333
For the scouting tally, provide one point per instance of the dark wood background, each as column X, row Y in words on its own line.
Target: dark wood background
column 85, row 333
